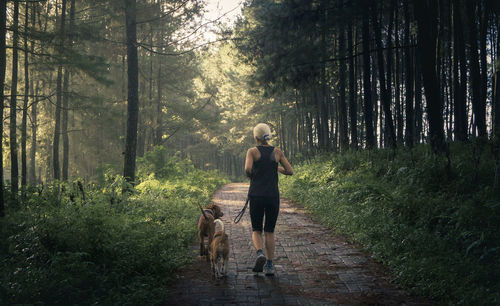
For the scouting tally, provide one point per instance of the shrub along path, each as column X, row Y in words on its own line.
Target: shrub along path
column 313, row 266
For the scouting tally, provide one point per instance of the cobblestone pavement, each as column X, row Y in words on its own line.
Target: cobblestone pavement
column 313, row 266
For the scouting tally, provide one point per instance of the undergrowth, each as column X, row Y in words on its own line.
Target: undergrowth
column 435, row 224
column 58, row 248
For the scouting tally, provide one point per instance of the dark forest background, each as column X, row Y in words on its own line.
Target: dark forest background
column 366, row 74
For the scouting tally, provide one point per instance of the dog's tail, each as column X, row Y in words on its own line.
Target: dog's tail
column 219, row 225
column 202, row 211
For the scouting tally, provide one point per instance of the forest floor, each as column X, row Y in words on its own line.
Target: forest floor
column 314, row 266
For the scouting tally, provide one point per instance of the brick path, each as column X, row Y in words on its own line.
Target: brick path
column 313, row 267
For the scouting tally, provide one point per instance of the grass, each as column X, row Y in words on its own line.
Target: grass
column 437, row 227
column 59, row 249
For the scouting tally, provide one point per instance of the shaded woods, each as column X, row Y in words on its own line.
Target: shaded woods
column 376, row 73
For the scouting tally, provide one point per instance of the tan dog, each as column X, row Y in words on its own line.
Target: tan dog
column 219, row 250
column 206, row 226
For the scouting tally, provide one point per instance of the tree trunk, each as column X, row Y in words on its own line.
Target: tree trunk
column 3, row 57
column 496, row 103
column 14, row 174
column 397, row 75
column 150, row 98
column 300, row 122
column 324, row 113
column 418, row 99
column 32, row 171
column 317, row 113
column 344, row 137
column 133, row 94
column 282, row 127
column 25, row 103
column 353, row 108
column 384, row 88
column 410, row 122
column 64, row 126
column 368, row 105
column 478, row 101
column 67, row 77
column 334, row 111
column 324, row 92
column 426, row 15
column 57, row 123
column 309, row 132
column 375, row 101
column 57, row 126
column 459, row 74
column 33, row 92
column 483, row 33
column 159, row 129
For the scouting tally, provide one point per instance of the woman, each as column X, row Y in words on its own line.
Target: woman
column 262, row 166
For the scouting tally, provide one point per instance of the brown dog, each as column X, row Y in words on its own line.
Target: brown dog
column 206, row 226
column 219, row 250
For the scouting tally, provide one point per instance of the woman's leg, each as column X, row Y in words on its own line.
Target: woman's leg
column 257, row 240
column 272, row 210
column 270, row 245
column 257, row 216
column 261, row 258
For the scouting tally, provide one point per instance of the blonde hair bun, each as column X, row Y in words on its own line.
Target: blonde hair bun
column 262, row 132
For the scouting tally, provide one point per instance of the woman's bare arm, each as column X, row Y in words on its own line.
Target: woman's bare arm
column 285, row 167
column 249, row 163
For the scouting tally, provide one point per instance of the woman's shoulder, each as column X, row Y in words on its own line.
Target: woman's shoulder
column 252, row 150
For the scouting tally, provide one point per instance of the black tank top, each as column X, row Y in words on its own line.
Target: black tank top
column 264, row 180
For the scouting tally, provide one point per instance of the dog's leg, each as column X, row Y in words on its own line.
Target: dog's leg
column 210, row 238
column 208, row 255
column 217, row 268
column 202, row 246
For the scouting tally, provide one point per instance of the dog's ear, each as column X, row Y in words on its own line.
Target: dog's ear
column 218, row 211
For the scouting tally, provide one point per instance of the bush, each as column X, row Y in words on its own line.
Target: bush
column 436, row 227
column 59, row 249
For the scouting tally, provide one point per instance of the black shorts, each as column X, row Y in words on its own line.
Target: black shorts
column 260, row 206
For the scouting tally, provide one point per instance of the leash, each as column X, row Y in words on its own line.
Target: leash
column 242, row 212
